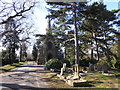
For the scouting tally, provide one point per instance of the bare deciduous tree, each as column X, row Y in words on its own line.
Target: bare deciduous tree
column 19, row 11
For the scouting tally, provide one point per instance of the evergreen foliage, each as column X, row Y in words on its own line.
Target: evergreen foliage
column 53, row 64
column 34, row 53
column 96, row 34
column 56, row 64
column 117, row 64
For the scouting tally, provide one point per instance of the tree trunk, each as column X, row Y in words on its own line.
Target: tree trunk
column 107, row 50
column 107, row 55
column 98, row 58
column 65, row 53
column 76, row 37
column 92, row 50
column 20, row 53
column 96, row 43
column 9, row 55
column 13, row 55
column 118, row 47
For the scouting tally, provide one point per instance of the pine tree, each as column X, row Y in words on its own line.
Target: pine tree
column 98, row 24
column 65, row 17
column 11, row 40
column 34, row 53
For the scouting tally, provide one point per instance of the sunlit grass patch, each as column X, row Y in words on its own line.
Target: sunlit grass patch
column 102, row 81
column 101, row 86
column 10, row 66
column 19, row 63
column 7, row 67
column 51, row 73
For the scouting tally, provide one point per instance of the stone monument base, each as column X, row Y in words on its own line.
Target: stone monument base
column 62, row 77
column 73, row 80
column 75, row 83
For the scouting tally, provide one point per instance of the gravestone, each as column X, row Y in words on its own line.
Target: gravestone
column 76, row 72
column 105, row 68
column 61, row 73
column 63, row 69
column 98, row 67
column 64, row 66
column 75, row 79
column 91, row 67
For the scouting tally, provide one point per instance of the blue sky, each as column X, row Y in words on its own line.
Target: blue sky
column 43, row 22
column 40, row 13
column 111, row 5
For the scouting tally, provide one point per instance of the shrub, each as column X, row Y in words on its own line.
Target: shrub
column 29, row 59
column 103, row 62
column 67, row 62
column 85, row 62
column 23, row 60
column 117, row 64
column 17, row 60
column 53, row 64
column 113, row 62
column 93, row 61
column 5, row 61
column 72, row 61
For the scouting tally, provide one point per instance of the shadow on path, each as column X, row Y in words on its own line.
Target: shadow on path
column 23, row 87
column 35, row 66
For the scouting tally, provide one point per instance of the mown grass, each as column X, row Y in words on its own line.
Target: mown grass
column 8, row 67
column 102, row 81
column 94, row 80
column 115, row 71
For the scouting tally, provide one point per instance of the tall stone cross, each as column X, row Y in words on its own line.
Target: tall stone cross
column 76, row 72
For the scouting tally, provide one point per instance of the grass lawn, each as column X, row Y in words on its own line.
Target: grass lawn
column 10, row 66
column 94, row 80
column 102, row 81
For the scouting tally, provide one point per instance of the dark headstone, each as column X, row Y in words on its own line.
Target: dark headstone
column 98, row 67
column 105, row 68
column 91, row 67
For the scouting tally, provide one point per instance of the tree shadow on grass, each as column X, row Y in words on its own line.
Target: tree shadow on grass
column 49, row 78
column 5, row 70
column 95, row 82
column 88, row 84
column 85, row 84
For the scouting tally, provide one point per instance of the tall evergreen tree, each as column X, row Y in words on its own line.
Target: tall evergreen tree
column 35, row 53
column 95, row 28
column 99, row 23
column 11, row 39
column 65, row 18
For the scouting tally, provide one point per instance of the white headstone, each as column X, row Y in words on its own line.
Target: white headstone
column 61, row 73
column 76, row 72
column 64, row 66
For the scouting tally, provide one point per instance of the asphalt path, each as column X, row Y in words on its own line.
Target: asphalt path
column 24, row 77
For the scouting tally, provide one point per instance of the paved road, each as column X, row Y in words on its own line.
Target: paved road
column 24, row 77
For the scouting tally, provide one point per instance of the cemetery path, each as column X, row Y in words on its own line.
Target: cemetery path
column 24, row 77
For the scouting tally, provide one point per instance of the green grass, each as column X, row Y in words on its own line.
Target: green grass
column 51, row 73
column 116, row 72
column 94, row 80
column 17, row 64
column 102, row 81
column 10, row 66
